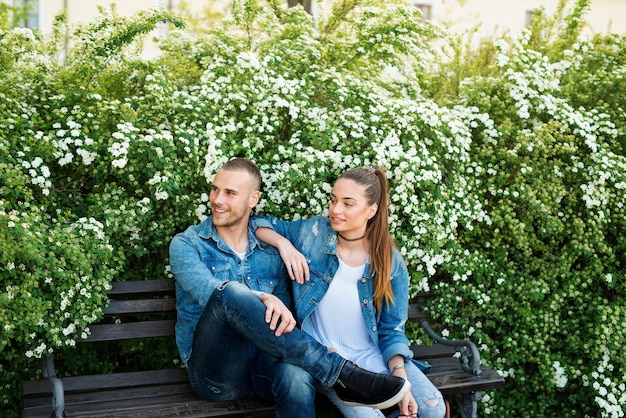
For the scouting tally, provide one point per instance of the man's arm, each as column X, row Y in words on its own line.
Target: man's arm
column 190, row 272
column 196, row 279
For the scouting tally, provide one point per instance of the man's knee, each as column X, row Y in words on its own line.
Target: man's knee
column 232, row 289
column 230, row 286
column 228, row 292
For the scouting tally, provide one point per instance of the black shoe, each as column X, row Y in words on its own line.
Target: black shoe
column 358, row 387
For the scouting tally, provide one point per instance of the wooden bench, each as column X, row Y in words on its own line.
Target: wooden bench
column 160, row 393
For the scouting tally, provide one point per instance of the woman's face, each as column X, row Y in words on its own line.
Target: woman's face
column 348, row 209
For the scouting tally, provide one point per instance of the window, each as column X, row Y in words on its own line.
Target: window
column 168, row 4
column 530, row 13
column 163, row 28
column 426, row 9
column 31, row 12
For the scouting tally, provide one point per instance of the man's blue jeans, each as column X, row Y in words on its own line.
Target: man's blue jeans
column 290, row 387
column 232, row 325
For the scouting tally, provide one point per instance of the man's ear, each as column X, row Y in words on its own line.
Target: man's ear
column 254, row 199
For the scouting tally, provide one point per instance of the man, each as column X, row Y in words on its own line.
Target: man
column 234, row 330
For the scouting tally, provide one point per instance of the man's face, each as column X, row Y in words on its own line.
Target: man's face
column 232, row 197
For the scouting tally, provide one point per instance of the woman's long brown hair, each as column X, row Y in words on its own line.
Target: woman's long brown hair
column 374, row 181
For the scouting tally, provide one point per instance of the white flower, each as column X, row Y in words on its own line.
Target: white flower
column 121, row 163
column 560, row 377
column 66, row 159
column 156, row 178
column 88, row 157
column 161, row 195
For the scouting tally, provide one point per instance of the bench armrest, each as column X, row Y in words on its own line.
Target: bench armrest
column 465, row 347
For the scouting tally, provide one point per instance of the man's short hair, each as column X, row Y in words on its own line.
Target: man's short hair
column 244, row 164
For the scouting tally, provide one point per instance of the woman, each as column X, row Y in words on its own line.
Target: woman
column 352, row 287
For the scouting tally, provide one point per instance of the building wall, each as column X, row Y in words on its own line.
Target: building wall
column 493, row 17
column 81, row 10
column 497, row 17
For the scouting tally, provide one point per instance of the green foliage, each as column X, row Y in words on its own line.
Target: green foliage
column 506, row 169
column 541, row 284
column 10, row 16
column 54, row 272
column 59, row 219
column 595, row 80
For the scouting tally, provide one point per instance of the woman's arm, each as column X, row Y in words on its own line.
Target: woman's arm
column 407, row 405
column 295, row 262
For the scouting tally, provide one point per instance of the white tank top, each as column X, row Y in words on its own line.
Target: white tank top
column 338, row 321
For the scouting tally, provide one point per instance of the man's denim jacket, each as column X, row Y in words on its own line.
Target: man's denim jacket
column 317, row 241
column 200, row 261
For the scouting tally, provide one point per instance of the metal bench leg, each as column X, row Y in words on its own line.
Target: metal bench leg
column 58, row 397
column 58, row 401
column 468, row 404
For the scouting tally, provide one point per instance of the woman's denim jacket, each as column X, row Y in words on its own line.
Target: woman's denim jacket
column 200, row 261
column 317, row 241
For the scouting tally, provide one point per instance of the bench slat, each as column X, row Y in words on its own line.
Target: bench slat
column 173, row 405
column 425, row 352
column 461, row 382
column 416, row 313
column 141, row 287
column 143, row 306
column 108, row 381
column 130, row 330
column 166, row 400
column 143, row 394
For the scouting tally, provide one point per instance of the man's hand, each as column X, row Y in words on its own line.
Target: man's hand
column 295, row 262
column 279, row 317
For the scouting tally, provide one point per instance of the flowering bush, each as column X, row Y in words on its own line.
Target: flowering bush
column 506, row 197
column 541, row 285
column 55, row 272
column 66, row 221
